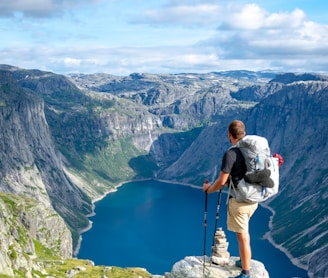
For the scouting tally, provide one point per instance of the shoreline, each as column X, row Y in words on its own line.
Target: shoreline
column 267, row 235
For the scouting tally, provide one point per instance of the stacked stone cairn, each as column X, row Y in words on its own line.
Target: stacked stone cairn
column 220, row 254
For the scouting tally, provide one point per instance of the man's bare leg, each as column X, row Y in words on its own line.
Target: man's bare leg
column 244, row 250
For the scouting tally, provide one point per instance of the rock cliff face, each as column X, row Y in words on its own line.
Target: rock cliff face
column 24, row 223
column 68, row 140
column 30, row 163
column 302, row 109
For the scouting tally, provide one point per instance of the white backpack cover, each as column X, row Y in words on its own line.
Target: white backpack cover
column 256, row 152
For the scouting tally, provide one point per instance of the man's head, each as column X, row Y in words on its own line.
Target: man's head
column 236, row 130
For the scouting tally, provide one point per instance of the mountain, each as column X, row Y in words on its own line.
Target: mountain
column 68, row 140
column 31, row 165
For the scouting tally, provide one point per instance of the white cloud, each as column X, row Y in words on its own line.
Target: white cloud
column 283, row 20
column 181, row 14
column 250, row 16
column 72, row 62
column 253, row 33
column 253, row 17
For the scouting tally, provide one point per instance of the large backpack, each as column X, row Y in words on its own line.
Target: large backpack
column 261, row 180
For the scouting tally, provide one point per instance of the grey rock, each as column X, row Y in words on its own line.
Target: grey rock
column 193, row 267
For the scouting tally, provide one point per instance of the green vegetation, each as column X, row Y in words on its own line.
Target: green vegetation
column 84, row 268
column 43, row 252
column 57, row 267
column 9, row 200
column 105, row 169
column 13, row 254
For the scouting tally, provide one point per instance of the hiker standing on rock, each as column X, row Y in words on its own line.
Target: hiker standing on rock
column 239, row 213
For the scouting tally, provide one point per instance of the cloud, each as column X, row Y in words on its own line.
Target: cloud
column 253, row 17
column 71, row 62
column 125, row 60
column 38, row 8
column 199, row 14
column 119, row 61
column 253, row 33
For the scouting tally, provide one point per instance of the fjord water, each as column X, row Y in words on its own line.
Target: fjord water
column 152, row 224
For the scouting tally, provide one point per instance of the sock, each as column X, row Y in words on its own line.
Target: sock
column 246, row 272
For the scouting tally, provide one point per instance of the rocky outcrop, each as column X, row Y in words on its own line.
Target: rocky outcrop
column 193, row 267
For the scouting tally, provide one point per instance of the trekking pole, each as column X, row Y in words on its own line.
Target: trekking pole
column 217, row 213
column 205, row 224
column 217, row 216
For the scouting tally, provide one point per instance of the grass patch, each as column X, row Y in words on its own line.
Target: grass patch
column 85, row 268
column 43, row 252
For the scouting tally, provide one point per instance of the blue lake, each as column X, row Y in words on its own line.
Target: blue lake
column 152, row 224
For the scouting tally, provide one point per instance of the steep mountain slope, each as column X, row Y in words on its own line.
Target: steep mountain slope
column 30, row 163
column 300, row 224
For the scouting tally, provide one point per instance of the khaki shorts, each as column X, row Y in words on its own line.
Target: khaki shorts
column 239, row 215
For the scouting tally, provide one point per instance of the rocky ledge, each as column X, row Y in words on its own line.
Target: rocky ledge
column 193, row 267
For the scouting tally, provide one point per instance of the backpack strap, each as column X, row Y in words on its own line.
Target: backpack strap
column 231, row 185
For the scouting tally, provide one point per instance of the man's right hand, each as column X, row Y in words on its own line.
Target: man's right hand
column 206, row 185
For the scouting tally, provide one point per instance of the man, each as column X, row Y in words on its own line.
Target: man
column 239, row 213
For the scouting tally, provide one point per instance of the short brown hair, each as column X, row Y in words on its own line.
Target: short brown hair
column 237, row 129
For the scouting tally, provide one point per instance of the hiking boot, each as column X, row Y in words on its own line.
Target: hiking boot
column 242, row 275
column 238, row 264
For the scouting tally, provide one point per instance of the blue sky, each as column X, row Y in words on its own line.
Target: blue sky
column 164, row 36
